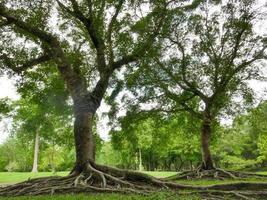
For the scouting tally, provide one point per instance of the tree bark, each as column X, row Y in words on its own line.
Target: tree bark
column 84, row 139
column 36, row 152
column 207, row 163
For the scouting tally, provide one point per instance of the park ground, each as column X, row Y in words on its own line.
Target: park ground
column 7, row 178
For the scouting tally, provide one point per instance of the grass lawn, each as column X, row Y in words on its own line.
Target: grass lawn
column 15, row 177
column 263, row 173
column 212, row 182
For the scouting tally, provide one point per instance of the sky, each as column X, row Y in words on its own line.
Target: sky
column 8, row 89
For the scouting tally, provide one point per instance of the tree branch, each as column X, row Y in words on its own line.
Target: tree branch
column 90, row 7
column 42, row 35
column 135, row 55
column 28, row 64
column 74, row 81
column 189, row 86
column 176, row 98
column 124, row 61
column 110, row 30
column 259, row 55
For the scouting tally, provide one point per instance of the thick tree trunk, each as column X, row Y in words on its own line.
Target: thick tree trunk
column 207, row 162
column 36, row 152
column 84, row 140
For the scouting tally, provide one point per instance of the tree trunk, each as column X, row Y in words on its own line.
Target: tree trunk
column 36, row 152
column 84, row 140
column 140, row 160
column 207, row 163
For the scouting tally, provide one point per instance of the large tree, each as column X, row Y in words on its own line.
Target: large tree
column 206, row 63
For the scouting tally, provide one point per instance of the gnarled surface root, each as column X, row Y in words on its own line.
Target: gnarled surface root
column 217, row 173
column 102, row 179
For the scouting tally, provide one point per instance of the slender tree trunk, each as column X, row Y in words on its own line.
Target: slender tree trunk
column 140, row 160
column 207, row 162
column 84, row 139
column 36, row 152
column 53, row 164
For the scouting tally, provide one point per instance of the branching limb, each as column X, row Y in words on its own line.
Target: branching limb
column 42, row 35
column 110, row 30
column 88, row 23
column 28, row 64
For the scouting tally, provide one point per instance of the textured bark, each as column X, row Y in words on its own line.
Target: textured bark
column 36, row 152
column 207, row 163
column 84, row 140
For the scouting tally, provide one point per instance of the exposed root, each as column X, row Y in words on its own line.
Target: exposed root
column 217, row 173
column 98, row 173
column 102, row 179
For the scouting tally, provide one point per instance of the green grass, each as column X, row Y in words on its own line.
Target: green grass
column 15, row 177
column 160, row 174
column 206, row 182
column 263, row 173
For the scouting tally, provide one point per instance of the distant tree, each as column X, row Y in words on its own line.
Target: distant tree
column 42, row 113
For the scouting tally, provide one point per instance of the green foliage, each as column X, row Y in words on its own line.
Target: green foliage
column 108, row 155
column 16, row 177
column 162, row 142
column 16, row 155
column 243, row 145
column 5, row 107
